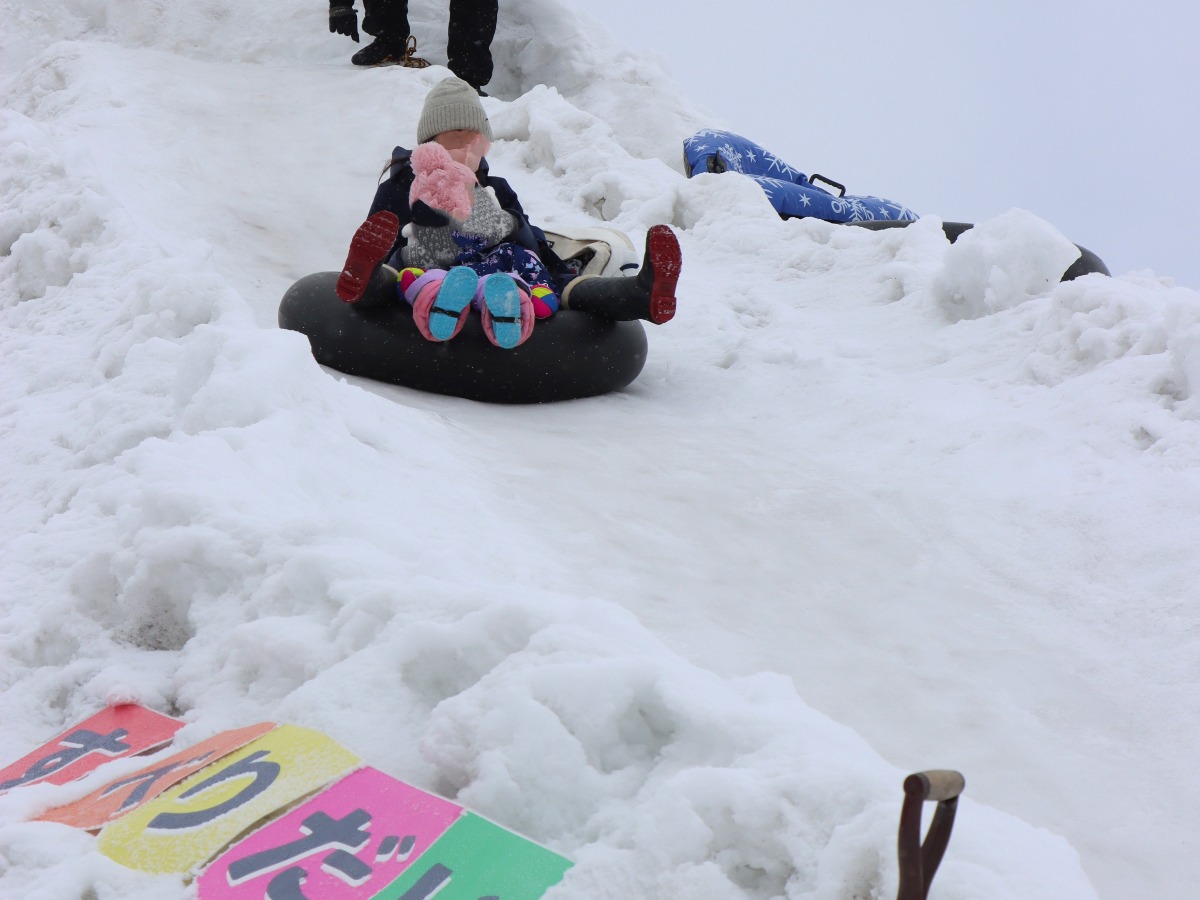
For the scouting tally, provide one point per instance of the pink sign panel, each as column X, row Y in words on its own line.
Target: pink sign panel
column 346, row 843
column 110, row 734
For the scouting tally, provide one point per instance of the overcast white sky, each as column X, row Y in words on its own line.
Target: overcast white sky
column 1086, row 113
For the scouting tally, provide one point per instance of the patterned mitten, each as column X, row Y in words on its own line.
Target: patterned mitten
column 488, row 225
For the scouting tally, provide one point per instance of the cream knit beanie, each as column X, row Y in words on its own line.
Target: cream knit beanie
column 452, row 105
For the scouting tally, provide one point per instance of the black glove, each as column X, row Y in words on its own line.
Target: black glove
column 343, row 20
column 426, row 216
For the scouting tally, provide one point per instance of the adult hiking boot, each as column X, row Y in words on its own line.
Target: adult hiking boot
column 387, row 51
column 382, row 51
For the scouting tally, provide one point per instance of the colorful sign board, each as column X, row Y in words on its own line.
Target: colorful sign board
column 478, row 860
column 112, row 733
column 332, row 831
column 183, row 827
column 124, row 795
column 350, row 841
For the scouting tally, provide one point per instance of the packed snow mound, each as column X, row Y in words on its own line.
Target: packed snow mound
column 978, row 276
column 512, row 607
column 1084, row 327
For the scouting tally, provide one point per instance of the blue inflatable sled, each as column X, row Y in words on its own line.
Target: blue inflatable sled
column 796, row 195
column 793, row 194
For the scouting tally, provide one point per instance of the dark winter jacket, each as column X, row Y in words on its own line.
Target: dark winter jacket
column 393, row 193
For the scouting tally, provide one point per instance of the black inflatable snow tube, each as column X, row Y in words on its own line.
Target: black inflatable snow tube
column 568, row 356
column 1087, row 263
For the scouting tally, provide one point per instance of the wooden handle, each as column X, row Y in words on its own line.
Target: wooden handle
column 935, row 784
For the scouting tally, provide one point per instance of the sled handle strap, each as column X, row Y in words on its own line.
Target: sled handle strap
column 840, row 188
column 919, row 861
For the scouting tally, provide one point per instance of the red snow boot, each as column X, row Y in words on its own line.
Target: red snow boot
column 370, row 246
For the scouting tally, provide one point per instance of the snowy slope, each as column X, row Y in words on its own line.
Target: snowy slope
column 876, row 504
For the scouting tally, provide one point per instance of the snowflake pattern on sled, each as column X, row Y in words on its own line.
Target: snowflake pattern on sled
column 789, row 190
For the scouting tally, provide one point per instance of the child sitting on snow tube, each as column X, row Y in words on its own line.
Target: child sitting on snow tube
column 451, row 237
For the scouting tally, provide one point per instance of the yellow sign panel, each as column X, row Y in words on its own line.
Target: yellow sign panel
column 185, row 826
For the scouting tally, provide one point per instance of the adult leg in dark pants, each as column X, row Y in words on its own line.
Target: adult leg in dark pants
column 387, row 21
column 469, row 44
